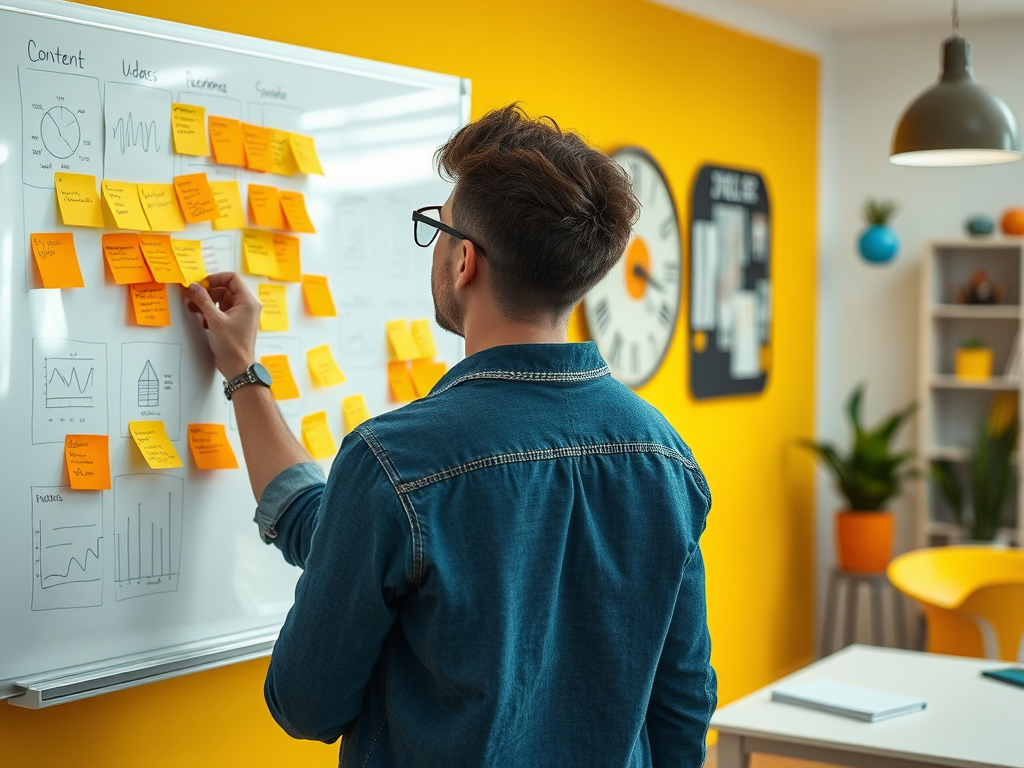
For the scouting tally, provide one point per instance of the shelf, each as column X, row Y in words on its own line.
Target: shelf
column 995, row 384
column 952, row 453
column 977, row 311
column 955, row 533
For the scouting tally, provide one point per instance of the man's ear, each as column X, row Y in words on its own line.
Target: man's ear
column 467, row 264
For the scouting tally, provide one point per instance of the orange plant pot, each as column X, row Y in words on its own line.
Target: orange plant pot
column 864, row 540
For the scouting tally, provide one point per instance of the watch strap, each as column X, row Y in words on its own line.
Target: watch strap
column 245, row 377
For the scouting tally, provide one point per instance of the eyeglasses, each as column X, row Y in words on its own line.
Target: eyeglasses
column 425, row 228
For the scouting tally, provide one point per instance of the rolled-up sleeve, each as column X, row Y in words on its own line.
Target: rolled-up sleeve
column 286, row 512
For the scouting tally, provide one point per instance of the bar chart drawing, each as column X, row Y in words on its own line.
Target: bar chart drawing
column 147, row 534
column 67, row 538
column 149, row 387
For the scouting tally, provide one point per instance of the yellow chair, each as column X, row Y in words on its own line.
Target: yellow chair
column 973, row 598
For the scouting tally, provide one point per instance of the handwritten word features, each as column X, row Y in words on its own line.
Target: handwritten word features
column 57, row 260
column 56, row 56
column 204, row 84
column 156, row 447
column 196, row 198
column 135, row 70
column 210, row 447
column 268, row 92
column 88, row 460
column 150, row 303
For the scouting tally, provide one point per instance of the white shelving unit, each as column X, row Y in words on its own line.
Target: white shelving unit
column 952, row 409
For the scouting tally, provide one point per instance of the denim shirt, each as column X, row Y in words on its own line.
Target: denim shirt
column 503, row 573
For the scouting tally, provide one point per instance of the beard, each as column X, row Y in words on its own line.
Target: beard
column 447, row 311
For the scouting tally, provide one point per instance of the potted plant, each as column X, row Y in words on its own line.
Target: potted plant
column 868, row 477
column 878, row 243
column 973, row 360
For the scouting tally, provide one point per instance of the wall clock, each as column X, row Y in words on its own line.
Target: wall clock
column 632, row 312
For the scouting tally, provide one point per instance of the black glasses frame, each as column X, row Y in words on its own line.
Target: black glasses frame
column 437, row 224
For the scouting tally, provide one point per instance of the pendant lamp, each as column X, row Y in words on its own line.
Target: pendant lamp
column 957, row 121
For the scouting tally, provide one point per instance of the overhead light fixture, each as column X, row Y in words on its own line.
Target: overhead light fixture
column 957, row 121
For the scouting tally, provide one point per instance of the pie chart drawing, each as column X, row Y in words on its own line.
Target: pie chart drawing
column 61, row 132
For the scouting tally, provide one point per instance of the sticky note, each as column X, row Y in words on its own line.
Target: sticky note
column 159, row 254
column 160, row 202
column 424, row 338
column 260, row 254
column 265, row 206
column 189, row 255
column 316, row 436
column 157, row 448
column 78, row 200
column 256, row 141
column 317, row 295
column 282, row 161
column 354, row 410
column 226, row 140
column 304, row 151
column 402, row 345
column 274, row 315
column 229, row 201
column 289, row 261
column 425, row 374
column 196, row 198
column 282, row 386
column 88, row 460
column 210, row 447
column 294, row 206
column 188, row 124
column 150, row 303
column 123, row 201
column 402, row 388
column 322, row 367
column 123, row 253
column 57, row 260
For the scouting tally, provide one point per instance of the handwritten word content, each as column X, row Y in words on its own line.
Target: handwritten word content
column 154, row 444
column 88, row 462
column 57, row 260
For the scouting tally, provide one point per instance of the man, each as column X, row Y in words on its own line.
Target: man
column 506, row 572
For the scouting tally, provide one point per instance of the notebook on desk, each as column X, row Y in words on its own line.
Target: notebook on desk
column 847, row 700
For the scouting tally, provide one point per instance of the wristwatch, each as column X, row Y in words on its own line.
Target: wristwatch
column 254, row 374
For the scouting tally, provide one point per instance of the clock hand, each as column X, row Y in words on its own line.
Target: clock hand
column 643, row 274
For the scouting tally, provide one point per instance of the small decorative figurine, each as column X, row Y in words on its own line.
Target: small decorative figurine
column 878, row 243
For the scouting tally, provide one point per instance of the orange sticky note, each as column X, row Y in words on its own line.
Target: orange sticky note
column 226, row 140
column 354, row 410
column 304, row 151
column 229, row 201
column 260, row 254
column 294, row 206
column 210, row 447
column 123, row 202
column 156, row 447
column 316, row 436
column 256, row 141
column 265, row 206
column 424, row 338
column 150, row 303
column 78, row 200
column 57, row 260
column 189, row 255
column 188, row 124
column 317, row 295
column 322, row 367
column 123, row 253
column 402, row 388
column 400, row 338
column 196, row 198
column 88, row 460
column 160, row 202
column 281, row 160
column 425, row 374
column 274, row 315
column 282, row 383
column 289, row 261
column 159, row 254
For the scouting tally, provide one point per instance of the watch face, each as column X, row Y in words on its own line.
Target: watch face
column 262, row 374
column 632, row 312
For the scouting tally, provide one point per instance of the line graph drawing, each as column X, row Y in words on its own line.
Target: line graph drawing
column 61, row 132
column 149, row 387
column 147, row 534
column 69, row 389
column 65, row 386
column 138, row 133
column 67, row 546
column 130, row 133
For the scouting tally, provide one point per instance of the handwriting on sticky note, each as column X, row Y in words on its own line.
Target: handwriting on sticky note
column 401, row 342
column 189, row 255
column 196, row 198
column 354, row 410
column 88, row 460
column 265, row 206
column 57, row 260
column 294, row 206
column 229, row 201
column 274, row 315
column 123, row 202
column 304, row 150
column 282, row 162
column 78, row 200
column 188, row 124
column 317, row 295
column 149, row 300
column 160, row 202
column 424, row 339
column 289, row 259
column 159, row 254
column 210, row 447
column 156, row 447
column 259, row 252
column 316, row 436
column 322, row 367
column 400, row 380
column 226, row 140
column 123, row 253
column 256, row 141
column 425, row 374
column 282, row 383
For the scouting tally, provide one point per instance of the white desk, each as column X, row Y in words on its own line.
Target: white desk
column 970, row 722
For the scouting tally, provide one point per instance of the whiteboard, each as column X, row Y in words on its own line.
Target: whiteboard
column 89, row 91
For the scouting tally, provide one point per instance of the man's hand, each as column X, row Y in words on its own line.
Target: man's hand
column 232, row 315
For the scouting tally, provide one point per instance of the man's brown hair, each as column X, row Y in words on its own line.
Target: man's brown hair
column 551, row 214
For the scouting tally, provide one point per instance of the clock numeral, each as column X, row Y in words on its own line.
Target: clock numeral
column 668, row 226
column 615, row 350
column 637, row 181
column 665, row 315
column 654, row 343
column 670, row 272
column 602, row 315
column 634, row 357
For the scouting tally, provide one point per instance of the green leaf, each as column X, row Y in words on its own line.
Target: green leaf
column 948, row 484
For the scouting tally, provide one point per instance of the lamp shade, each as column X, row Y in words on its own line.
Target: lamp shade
column 957, row 121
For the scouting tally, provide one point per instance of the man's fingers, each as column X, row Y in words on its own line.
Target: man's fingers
column 201, row 299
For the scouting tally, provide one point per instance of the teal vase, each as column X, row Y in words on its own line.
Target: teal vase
column 878, row 244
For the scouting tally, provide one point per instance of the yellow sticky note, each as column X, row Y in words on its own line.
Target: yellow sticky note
column 259, row 252
column 210, row 447
column 425, row 374
column 158, row 251
column 157, row 448
column 424, row 338
column 229, row 201
column 294, row 206
column 160, row 202
column 354, row 410
column 402, row 388
column 189, row 255
column 150, row 303
column 196, row 198
column 282, row 383
column 289, row 260
column 274, row 315
column 282, row 161
column 57, row 260
column 316, row 436
column 265, row 206
column 188, row 124
column 122, row 200
column 123, row 253
column 256, row 141
column 88, row 460
column 226, row 140
column 402, row 345
column 78, row 200
column 304, row 150
column 317, row 295
column 322, row 367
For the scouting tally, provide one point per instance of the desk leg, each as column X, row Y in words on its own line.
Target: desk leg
column 730, row 751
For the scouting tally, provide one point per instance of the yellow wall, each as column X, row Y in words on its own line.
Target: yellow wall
column 621, row 72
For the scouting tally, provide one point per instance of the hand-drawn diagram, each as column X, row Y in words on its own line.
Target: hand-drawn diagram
column 69, row 395
column 353, row 220
column 151, row 385
column 61, row 123
column 360, row 309
column 147, row 534
column 138, row 134
column 67, row 536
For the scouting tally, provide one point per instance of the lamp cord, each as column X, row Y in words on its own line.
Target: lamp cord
column 956, row 18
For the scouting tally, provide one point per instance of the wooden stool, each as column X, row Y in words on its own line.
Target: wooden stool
column 851, row 581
